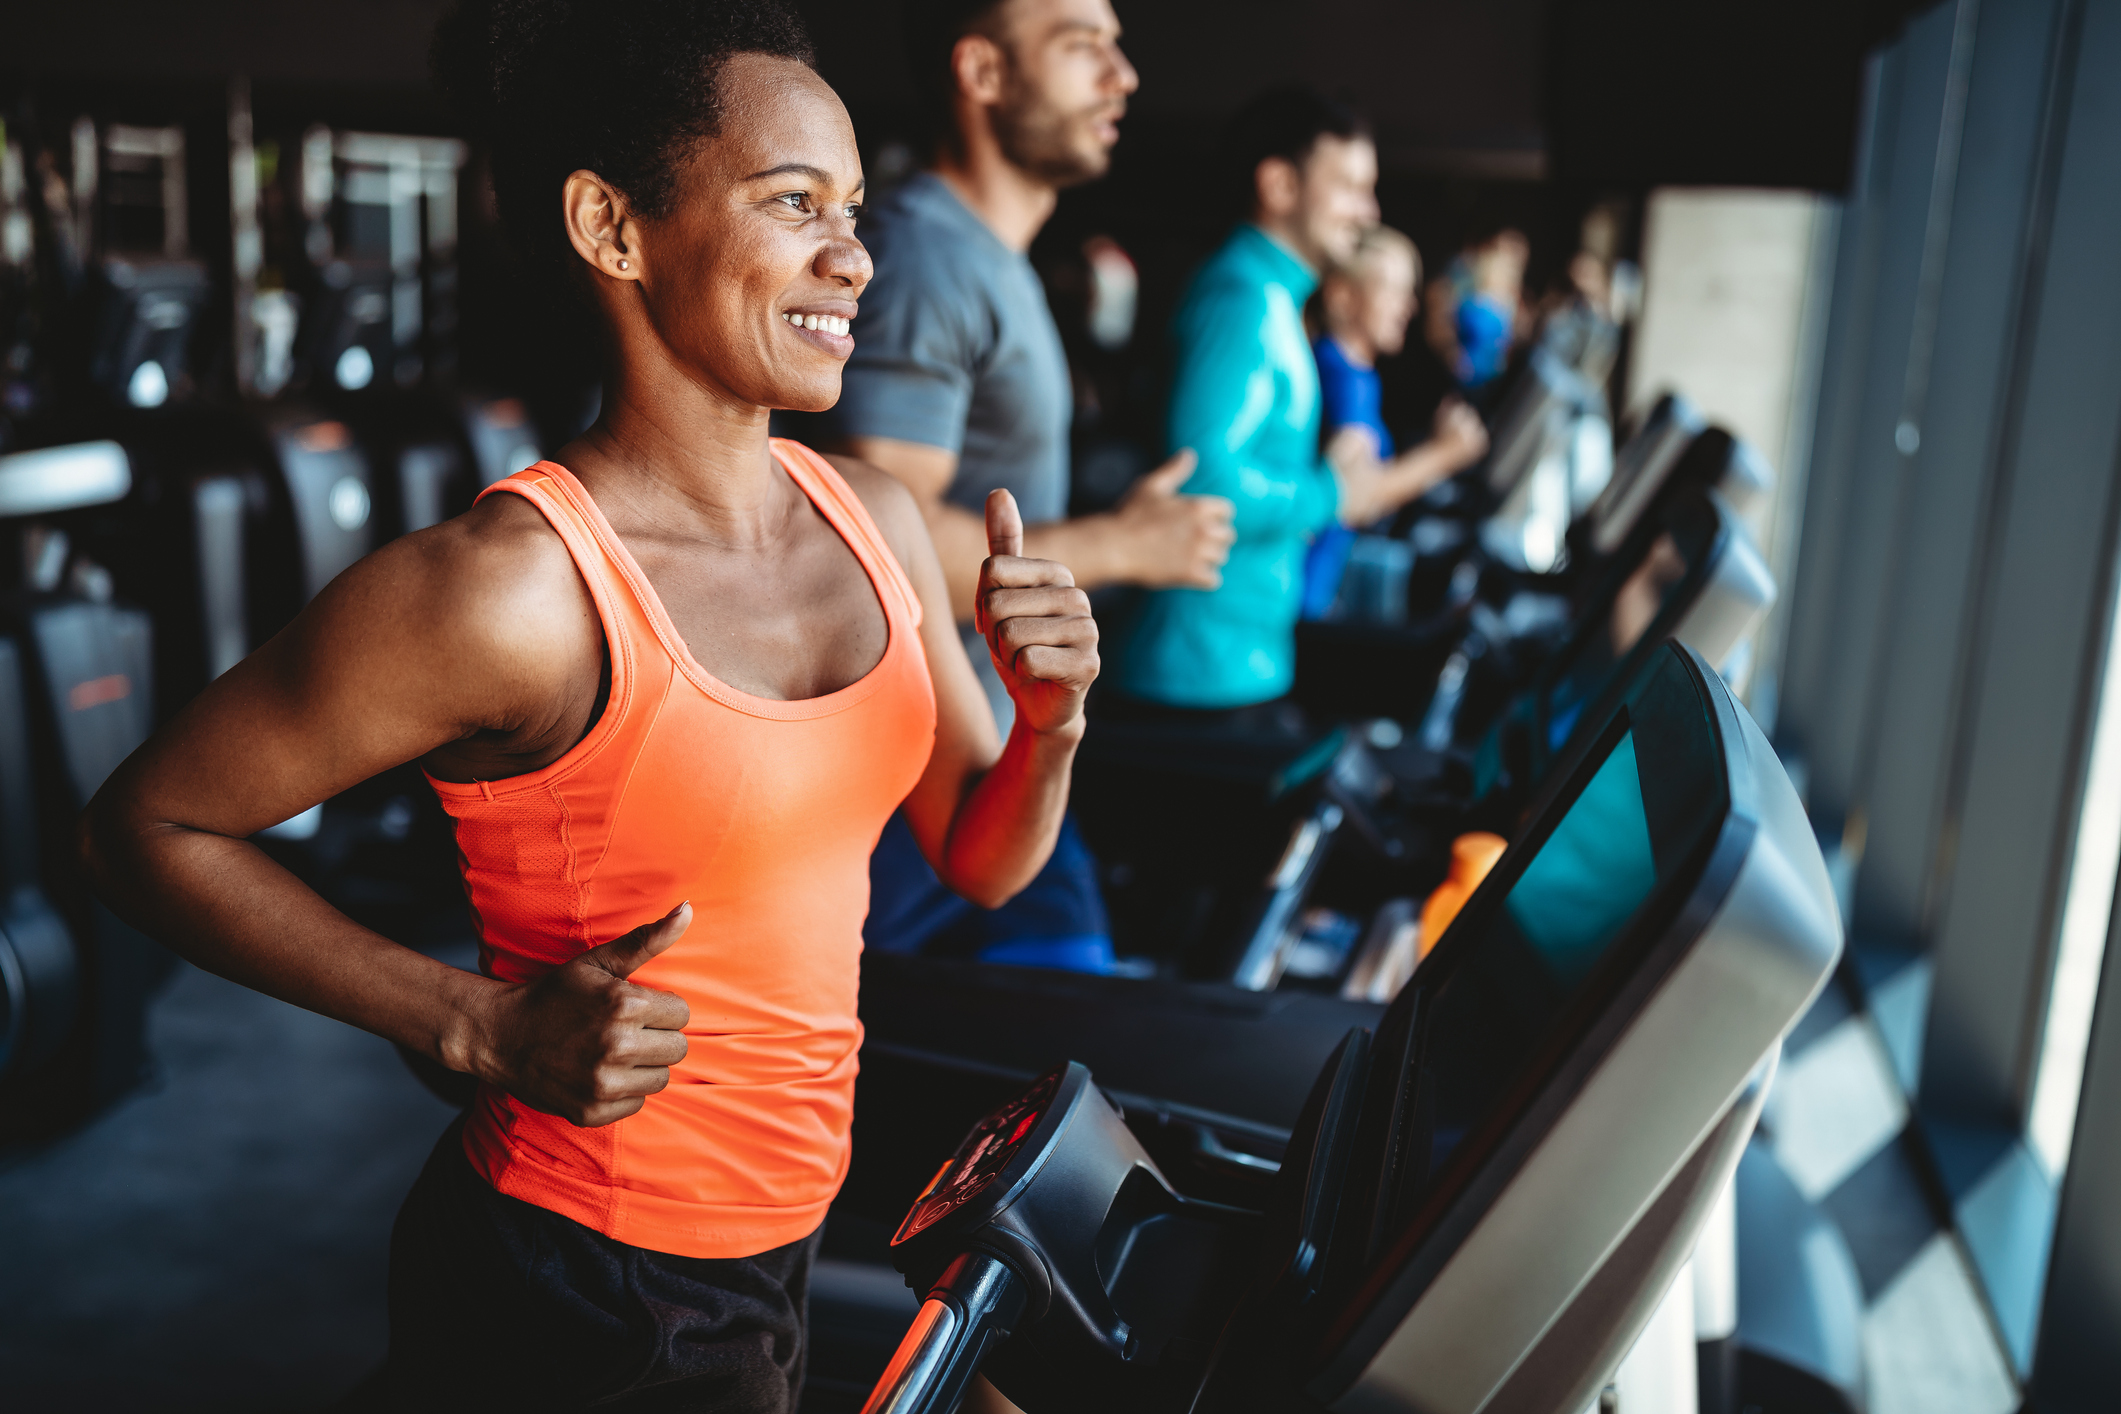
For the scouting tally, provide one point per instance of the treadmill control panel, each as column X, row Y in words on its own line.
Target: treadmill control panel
column 981, row 1159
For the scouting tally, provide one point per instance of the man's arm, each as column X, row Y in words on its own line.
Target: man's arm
column 436, row 638
column 1155, row 536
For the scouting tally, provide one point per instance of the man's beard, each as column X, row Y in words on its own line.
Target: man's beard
column 1034, row 137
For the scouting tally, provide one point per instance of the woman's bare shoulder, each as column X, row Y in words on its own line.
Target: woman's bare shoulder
column 493, row 594
column 889, row 503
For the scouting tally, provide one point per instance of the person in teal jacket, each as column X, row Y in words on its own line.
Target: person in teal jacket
column 1245, row 399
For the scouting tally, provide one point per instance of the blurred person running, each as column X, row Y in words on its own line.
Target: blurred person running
column 1476, row 308
column 1245, row 398
column 958, row 385
column 1365, row 304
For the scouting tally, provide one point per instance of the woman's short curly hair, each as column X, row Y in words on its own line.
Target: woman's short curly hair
column 553, row 86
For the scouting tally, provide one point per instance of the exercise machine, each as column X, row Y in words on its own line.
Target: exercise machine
column 1220, row 851
column 76, row 698
column 1470, row 611
column 1486, row 1193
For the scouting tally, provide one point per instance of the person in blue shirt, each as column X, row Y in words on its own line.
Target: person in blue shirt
column 1245, row 400
column 1365, row 305
column 1475, row 308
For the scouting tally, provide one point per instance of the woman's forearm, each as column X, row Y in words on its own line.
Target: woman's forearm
column 1005, row 827
column 225, row 905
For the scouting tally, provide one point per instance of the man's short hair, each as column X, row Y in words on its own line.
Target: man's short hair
column 931, row 31
column 1285, row 123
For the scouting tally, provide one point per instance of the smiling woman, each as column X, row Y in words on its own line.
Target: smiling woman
column 670, row 685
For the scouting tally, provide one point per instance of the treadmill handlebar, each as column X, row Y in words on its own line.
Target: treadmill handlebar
column 975, row 1305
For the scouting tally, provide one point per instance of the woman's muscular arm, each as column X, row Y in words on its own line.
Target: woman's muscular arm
column 446, row 646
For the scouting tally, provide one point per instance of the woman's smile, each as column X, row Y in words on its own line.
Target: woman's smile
column 824, row 327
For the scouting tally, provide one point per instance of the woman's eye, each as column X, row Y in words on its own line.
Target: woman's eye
column 795, row 199
column 854, row 211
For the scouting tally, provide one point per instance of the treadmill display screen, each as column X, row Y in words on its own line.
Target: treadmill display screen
column 1662, row 584
column 1485, row 1024
column 979, row 1161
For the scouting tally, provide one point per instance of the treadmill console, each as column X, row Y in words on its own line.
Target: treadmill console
column 983, row 1158
column 1485, row 1197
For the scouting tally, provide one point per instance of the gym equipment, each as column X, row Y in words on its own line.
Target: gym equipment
column 1487, row 1193
column 148, row 294
column 503, row 439
column 39, row 973
column 1553, row 451
column 1699, row 582
column 1187, row 824
column 1211, row 1076
column 83, row 678
column 1496, row 620
column 126, row 367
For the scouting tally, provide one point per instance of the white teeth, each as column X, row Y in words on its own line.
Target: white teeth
column 831, row 324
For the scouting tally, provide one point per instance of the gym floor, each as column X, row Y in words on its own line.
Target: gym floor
column 218, row 1240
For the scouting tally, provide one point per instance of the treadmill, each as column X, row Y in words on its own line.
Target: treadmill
column 1489, row 1185
column 1187, row 826
column 1387, row 640
column 1499, row 618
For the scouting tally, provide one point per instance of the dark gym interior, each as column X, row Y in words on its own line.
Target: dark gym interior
column 1854, row 258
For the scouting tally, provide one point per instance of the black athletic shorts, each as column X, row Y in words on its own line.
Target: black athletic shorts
column 498, row 1304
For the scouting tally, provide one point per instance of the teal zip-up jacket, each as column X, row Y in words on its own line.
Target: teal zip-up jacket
column 1244, row 397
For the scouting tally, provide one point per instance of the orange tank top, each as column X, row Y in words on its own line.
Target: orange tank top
column 762, row 813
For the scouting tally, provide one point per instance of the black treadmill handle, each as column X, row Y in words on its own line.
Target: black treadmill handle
column 972, row 1309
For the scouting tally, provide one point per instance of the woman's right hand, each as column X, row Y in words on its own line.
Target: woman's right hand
column 582, row 1042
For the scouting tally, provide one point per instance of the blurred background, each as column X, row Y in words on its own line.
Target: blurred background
column 243, row 242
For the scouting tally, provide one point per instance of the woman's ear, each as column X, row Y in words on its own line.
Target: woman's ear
column 599, row 227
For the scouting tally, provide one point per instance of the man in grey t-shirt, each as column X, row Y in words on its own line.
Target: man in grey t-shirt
column 956, row 359
column 958, row 384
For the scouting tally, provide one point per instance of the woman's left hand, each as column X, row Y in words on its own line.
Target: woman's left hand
column 1037, row 625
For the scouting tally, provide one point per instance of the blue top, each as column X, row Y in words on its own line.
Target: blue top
column 1244, row 397
column 1483, row 324
column 1353, row 395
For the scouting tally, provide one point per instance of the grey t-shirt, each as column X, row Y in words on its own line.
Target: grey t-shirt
column 955, row 348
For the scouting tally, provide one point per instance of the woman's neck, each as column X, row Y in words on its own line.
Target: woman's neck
column 673, row 454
